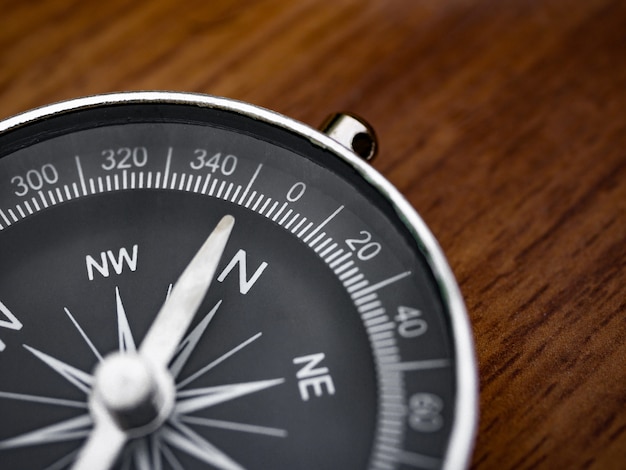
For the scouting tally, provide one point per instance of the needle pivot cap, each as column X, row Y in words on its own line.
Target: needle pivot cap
column 132, row 392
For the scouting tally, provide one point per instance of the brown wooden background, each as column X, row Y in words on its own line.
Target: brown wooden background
column 503, row 122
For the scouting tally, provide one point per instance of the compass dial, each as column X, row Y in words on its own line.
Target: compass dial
column 332, row 335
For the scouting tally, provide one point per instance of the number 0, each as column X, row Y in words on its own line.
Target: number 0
column 296, row 191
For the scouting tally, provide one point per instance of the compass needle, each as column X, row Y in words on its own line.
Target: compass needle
column 324, row 329
column 180, row 307
column 121, row 409
column 102, row 447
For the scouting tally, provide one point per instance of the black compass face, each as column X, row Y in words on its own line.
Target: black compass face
column 327, row 339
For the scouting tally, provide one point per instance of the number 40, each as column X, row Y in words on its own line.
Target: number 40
column 410, row 322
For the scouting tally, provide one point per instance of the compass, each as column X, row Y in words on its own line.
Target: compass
column 192, row 282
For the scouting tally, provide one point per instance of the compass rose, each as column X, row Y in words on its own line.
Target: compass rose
column 128, row 399
column 150, row 452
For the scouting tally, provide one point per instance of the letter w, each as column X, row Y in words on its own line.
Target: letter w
column 123, row 257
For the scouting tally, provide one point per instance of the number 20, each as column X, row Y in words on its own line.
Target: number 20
column 364, row 247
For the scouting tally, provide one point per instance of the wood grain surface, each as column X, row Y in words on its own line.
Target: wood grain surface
column 503, row 122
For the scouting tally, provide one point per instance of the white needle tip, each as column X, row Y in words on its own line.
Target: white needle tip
column 187, row 294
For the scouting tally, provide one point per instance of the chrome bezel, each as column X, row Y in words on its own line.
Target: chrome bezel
column 464, row 428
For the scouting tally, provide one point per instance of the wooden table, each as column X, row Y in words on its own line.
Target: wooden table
column 503, row 122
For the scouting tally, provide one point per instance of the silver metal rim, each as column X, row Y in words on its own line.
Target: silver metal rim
column 466, row 417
